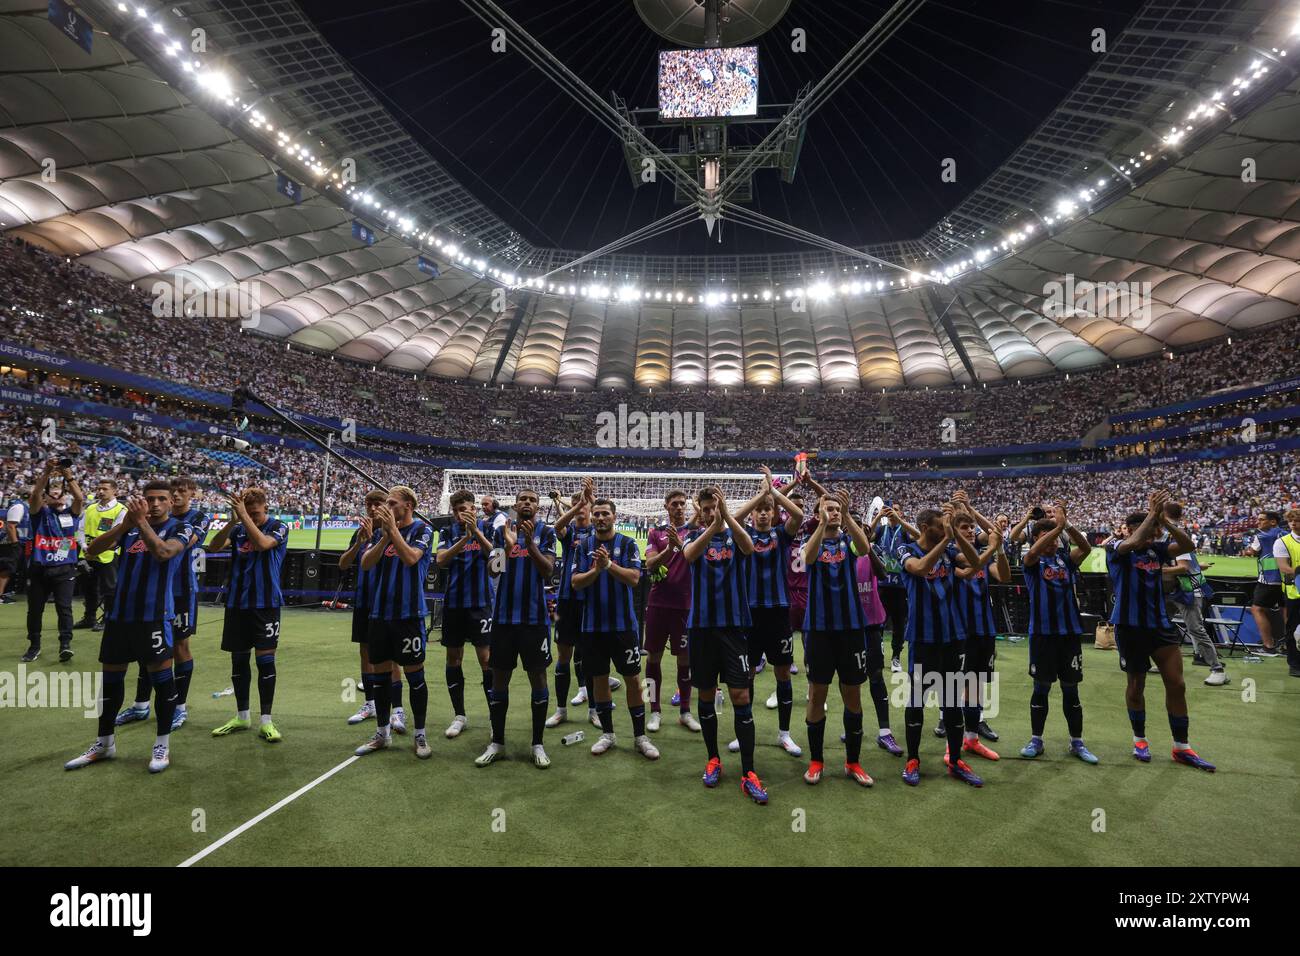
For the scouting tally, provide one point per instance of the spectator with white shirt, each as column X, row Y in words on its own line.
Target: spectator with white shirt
column 1187, row 601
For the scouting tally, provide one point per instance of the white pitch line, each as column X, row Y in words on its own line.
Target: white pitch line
column 265, row 813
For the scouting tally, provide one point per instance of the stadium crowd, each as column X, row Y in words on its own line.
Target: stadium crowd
column 47, row 302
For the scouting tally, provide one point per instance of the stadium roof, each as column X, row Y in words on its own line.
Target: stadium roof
column 160, row 171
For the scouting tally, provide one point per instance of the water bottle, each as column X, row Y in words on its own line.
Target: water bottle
column 576, row 737
column 228, row 692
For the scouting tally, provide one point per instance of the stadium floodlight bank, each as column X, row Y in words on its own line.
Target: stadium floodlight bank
column 636, row 494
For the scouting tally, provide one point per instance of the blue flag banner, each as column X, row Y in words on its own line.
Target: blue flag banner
column 427, row 265
column 363, row 232
column 72, row 23
column 287, row 187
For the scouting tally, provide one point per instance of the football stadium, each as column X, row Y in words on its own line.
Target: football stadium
column 695, row 365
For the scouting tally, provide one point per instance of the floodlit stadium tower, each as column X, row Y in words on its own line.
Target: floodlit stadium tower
column 637, row 494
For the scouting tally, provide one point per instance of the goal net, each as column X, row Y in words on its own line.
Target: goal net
column 636, row 494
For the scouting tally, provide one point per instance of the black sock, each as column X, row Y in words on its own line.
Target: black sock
column 1073, row 709
column 913, row 720
column 266, row 681
column 638, row 720
column 143, row 687
column 541, row 703
column 578, row 673
column 1178, row 726
column 743, row 715
column 816, row 739
column 367, row 688
column 605, row 711
column 379, row 694
column 184, row 671
column 971, row 717
column 561, row 683
column 395, row 689
column 591, row 689
column 784, row 703
column 880, row 698
column 709, row 723
column 241, row 678
column 114, row 690
column 1138, row 718
column 852, row 736
column 487, row 689
column 164, row 682
column 456, row 689
column 419, row 697
column 952, row 721
column 1038, row 708
column 498, row 706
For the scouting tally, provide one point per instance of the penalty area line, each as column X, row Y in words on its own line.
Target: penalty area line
column 212, row 847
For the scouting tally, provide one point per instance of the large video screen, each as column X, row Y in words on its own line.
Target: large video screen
column 708, row 83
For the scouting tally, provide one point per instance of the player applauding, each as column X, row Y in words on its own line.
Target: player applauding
column 718, row 621
column 1142, row 630
column 465, row 552
column 609, row 567
column 521, row 630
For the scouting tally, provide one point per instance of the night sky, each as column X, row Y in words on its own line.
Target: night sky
column 966, row 79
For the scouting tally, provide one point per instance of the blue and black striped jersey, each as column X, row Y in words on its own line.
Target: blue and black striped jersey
column 467, row 574
column 607, row 603
column 575, row 542
column 1053, row 605
column 255, row 575
column 144, row 584
column 975, row 604
column 399, row 587
column 719, row 596
column 521, row 591
column 1138, row 585
column 765, row 580
column 931, row 613
column 186, row 580
column 833, row 602
column 363, row 594
column 889, row 538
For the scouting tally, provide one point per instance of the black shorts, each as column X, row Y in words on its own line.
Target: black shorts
column 875, row 648
column 250, row 629
column 981, row 652
column 1137, row 644
column 769, row 635
column 841, row 652
column 126, row 642
column 1054, row 657
column 718, row 655
column 361, row 625
column 10, row 555
column 466, row 625
column 936, row 666
column 1267, row 596
column 186, row 620
column 527, row 644
column 622, row 649
column 402, row 641
column 568, row 622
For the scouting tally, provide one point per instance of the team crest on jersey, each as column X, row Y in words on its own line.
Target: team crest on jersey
column 720, row 554
column 834, row 556
column 1052, row 572
column 137, row 547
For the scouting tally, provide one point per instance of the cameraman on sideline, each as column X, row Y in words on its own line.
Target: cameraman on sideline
column 55, row 553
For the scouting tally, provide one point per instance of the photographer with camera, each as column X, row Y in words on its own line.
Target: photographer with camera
column 15, row 545
column 55, row 553
column 99, row 571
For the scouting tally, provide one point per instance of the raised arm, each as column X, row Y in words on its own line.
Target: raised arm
column 861, row 541
column 744, row 543
column 1143, row 531
column 697, row 545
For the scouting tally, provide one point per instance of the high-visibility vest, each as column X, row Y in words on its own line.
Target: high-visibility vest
column 97, row 521
column 1293, row 552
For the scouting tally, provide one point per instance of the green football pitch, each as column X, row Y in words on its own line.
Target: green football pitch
column 620, row 807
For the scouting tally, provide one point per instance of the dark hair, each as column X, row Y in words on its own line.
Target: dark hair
column 926, row 516
column 767, row 501
column 374, row 494
column 158, row 484
column 1273, row 516
column 1041, row 526
column 675, row 493
column 1135, row 520
column 113, row 483
column 527, row 491
column 459, row 497
column 181, row 483
column 605, row 501
column 1174, row 510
